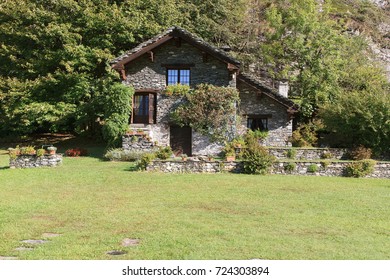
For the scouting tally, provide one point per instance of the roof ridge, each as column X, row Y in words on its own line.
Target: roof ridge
column 271, row 92
column 196, row 40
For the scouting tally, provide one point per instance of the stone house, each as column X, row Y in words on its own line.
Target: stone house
column 177, row 56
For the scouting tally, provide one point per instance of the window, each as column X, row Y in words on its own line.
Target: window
column 258, row 123
column 178, row 76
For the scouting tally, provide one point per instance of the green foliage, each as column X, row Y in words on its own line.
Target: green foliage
column 290, row 167
column 306, row 134
column 210, row 110
column 28, row 150
column 145, row 160
column 363, row 116
column 312, row 168
column 255, row 157
column 13, row 153
column 164, row 153
column 325, row 163
column 119, row 154
column 117, row 111
column 40, row 152
column 291, row 153
column 259, row 134
column 326, row 155
column 360, row 153
column 360, row 168
column 177, row 90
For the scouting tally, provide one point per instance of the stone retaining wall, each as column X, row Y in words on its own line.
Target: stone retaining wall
column 137, row 143
column 381, row 170
column 310, row 154
column 29, row 161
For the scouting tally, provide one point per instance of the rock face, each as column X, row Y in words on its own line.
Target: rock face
column 381, row 3
column 383, row 53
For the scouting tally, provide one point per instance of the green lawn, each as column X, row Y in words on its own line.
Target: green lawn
column 95, row 204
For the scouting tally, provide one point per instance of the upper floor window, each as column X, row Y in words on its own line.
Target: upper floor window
column 178, row 76
column 258, row 123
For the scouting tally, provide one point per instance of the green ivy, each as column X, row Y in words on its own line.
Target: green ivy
column 210, row 110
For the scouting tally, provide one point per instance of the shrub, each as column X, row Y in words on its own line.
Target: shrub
column 291, row 153
column 306, row 134
column 256, row 158
column 76, row 152
column 123, row 155
column 360, row 153
column 117, row 109
column 290, row 167
column 29, row 150
column 40, row 152
column 259, row 134
column 164, row 153
column 313, row 168
column 326, row 155
column 145, row 160
column 360, row 168
column 325, row 163
column 13, row 153
column 177, row 90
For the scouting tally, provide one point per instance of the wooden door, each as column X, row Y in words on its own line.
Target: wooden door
column 181, row 140
column 144, row 108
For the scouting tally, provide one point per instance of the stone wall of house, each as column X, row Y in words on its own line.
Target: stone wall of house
column 30, row 161
column 310, row 153
column 279, row 124
column 201, row 145
column 137, row 143
column 381, row 170
column 143, row 73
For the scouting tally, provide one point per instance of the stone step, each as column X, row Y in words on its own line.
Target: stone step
column 138, row 125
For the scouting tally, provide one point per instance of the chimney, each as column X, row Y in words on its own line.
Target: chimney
column 283, row 88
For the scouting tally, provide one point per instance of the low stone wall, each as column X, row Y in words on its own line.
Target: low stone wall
column 29, row 161
column 198, row 166
column 310, row 154
column 381, row 170
column 137, row 143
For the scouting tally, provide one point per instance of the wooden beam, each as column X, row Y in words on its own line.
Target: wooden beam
column 123, row 74
column 147, row 90
column 151, row 56
column 144, row 50
column 178, row 65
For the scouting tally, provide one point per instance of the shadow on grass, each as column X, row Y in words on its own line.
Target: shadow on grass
column 4, row 167
column 132, row 168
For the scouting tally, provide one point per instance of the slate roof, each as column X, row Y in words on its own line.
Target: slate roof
column 170, row 33
column 268, row 91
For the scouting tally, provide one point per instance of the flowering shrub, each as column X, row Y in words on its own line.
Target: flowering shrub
column 76, row 152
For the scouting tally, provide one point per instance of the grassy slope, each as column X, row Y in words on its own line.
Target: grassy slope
column 96, row 204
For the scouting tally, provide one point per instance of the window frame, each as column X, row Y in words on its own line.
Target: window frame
column 178, row 69
column 263, row 118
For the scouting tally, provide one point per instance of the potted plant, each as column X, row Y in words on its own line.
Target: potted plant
column 230, row 156
column 29, row 150
column 52, row 150
column 184, row 157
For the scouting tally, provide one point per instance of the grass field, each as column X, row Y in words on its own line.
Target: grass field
column 95, row 204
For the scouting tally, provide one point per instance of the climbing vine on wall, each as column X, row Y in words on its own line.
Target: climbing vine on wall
column 210, row 110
